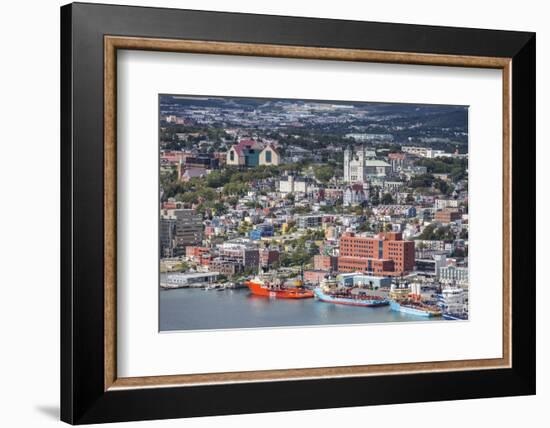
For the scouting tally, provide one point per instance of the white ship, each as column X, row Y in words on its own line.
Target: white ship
column 452, row 301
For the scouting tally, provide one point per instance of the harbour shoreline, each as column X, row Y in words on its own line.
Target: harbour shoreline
column 182, row 309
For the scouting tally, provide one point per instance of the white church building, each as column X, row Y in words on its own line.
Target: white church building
column 361, row 165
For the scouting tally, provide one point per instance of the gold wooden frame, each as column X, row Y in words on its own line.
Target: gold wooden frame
column 113, row 43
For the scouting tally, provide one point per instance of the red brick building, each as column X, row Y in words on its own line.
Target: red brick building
column 268, row 257
column 447, row 216
column 205, row 259
column 384, row 254
column 173, row 156
column 314, row 276
column 326, row 263
column 195, row 252
column 372, row 266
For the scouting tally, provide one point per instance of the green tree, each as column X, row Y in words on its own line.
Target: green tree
column 188, row 197
column 387, row 199
column 300, row 210
column 235, row 189
column 207, row 194
column 428, row 233
column 324, row 173
column 364, row 227
column 434, row 233
column 442, row 186
column 181, row 267
column 313, row 249
column 424, row 180
column 219, row 208
column 217, row 179
column 300, row 257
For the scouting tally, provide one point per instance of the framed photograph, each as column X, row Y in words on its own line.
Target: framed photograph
column 266, row 213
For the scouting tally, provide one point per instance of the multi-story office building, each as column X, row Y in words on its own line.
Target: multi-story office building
column 196, row 252
column 309, row 221
column 454, row 274
column 292, row 184
column 224, row 267
column 425, row 152
column 384, row 254
column 447, row 215
column 207, row 161
column 314, row 276
column 167, row 234
column 431, row 266
column 246, row 257
column 326, row 263
column 189, row 228
column 268, row 257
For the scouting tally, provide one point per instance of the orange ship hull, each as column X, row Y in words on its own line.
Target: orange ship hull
column 286, row 293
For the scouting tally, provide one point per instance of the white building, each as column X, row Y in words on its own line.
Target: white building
column 359, row 166
column 441, row 204
column 179, row 280
column 425, row 152
column 370, row 137
column 291, row 184
column 393, row 186
column 377, row 168
column 440, row 262
column 431, row 266
column 453, row 274
column 354, row 195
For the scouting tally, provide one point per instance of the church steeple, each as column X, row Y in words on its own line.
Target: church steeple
column 347, row 158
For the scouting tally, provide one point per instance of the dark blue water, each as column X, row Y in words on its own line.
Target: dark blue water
column 197, row 309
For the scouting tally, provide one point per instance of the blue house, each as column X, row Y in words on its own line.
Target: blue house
column 262, row 230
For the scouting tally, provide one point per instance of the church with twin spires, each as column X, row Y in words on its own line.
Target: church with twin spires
column 361, row 165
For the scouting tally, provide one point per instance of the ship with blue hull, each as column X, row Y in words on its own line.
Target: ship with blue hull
column 347, row 298
column 416, row 308
column 455, row 317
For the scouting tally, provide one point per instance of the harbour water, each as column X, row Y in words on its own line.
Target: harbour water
column 198, row 309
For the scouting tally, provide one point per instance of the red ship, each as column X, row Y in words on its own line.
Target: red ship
column 259, row 287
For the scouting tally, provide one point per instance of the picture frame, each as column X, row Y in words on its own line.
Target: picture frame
column 91, row 35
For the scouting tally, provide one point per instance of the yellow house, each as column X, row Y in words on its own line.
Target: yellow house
column 269, row 156
column 251, row 153
column 233, row 157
